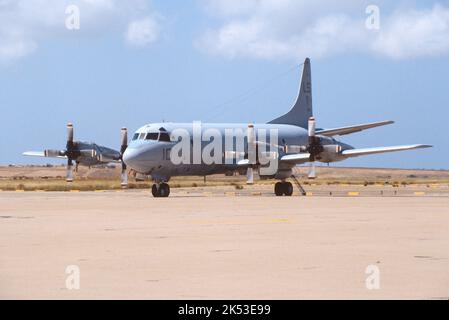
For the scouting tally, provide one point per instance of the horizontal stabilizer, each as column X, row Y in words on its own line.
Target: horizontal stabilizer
column 351, row 129
column 367, row 151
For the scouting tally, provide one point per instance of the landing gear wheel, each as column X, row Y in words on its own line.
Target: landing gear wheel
column 278, row 189
column 288, row 189
column 164, row 190
column 160, row 191
column 283, row 188
column 155, row 190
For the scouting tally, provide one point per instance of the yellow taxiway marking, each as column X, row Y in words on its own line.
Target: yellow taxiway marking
column 230, row 194
column 208, row 194
column 74, row 191
column 353, row 194
column 420, row 193
column 99, row 190
column 256, row 193
column 18, row 190
column 309, row 194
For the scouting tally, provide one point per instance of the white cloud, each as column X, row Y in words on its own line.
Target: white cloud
column 143, row 32
column 415, row 33
column 24, row 24
column 294, row 29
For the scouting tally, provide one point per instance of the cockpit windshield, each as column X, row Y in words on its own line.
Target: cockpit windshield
column 152, row 136
column 163, row 135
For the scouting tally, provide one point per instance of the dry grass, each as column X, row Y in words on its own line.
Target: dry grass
column 52, row 179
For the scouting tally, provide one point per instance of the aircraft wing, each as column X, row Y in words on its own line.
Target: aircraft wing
column 351, row 129
column 42, row 154
column 300, row 158
column 366, row 151
column 296, row 158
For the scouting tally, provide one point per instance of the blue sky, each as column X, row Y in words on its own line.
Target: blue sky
column 140, row 62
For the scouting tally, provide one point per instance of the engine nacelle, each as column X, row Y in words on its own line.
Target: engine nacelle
column 106, row 158
column 330, row 153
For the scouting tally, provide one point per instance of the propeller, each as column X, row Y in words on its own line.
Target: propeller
column 314, row 148
column 123, row 146
column 70, row 153
column 252, row 154
column 318, row 151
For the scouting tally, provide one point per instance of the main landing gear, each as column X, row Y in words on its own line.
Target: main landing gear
column 283, row 188
column 160, row 190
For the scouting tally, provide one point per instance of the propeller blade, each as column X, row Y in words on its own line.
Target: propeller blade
column 123, row 140
column 252, row 147
column 250, row 176
column 69, row 175
column 123, row 146
column 312, row 127
column 124, row 178
column 312, row 171
column 69, row 134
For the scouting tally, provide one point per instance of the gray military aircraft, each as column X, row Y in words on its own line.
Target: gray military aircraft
column 152, row 149
column 86, row 154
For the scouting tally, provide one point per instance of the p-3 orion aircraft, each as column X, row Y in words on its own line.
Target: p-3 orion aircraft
column 298, row 141
column 86, row 153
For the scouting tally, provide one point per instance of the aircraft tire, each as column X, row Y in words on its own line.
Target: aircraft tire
column 155, row 190
column 288, row 189
column 279, row 189
column 164, row 190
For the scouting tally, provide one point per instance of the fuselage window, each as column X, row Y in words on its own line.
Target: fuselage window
column 136, row 135
column 152, row 136
column 164, row 137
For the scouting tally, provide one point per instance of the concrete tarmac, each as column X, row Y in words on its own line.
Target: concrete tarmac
column 198, row 245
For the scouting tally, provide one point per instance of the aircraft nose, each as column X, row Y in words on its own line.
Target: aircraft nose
column 130, row 157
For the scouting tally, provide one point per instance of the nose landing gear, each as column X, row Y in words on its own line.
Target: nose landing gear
column 283, row 188
column 160, row 190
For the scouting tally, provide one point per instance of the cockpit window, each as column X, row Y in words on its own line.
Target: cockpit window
column 142, row 136
column 152, row 136
column 164, row 137
column 136, row 135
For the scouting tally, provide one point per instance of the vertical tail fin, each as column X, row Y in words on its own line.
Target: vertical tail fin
column 302, row 109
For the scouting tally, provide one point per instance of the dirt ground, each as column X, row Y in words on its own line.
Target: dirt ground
column 200, row 246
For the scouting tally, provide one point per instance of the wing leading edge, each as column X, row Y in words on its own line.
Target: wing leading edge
column 367, row 151
column 42, row 154
column 300, row 158
column 351, row 129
